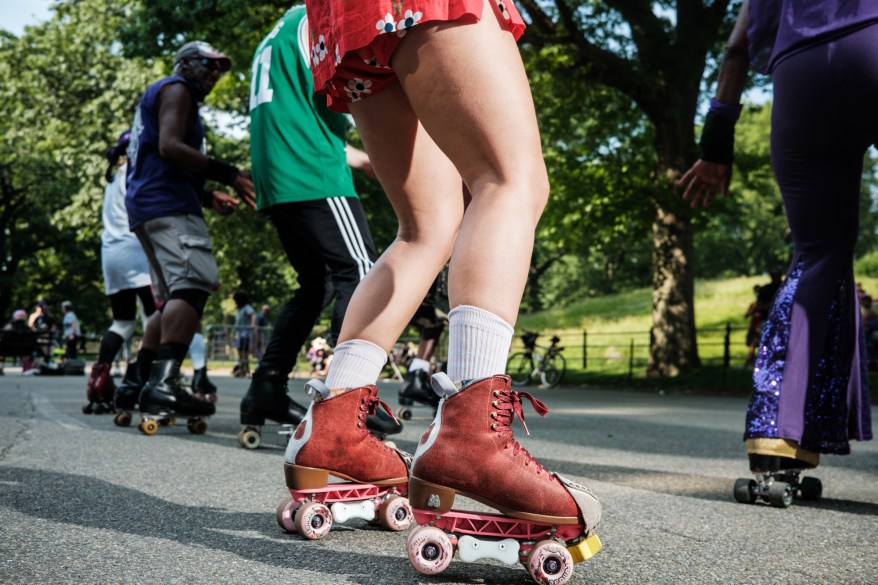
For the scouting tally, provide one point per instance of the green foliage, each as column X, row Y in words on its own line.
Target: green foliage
column 746, row 232
column 67, row 94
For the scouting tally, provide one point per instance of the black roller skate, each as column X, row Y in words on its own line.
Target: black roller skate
column 267, row 398
column 163, row 397
column 127, row 394
column 202, row 386
column 777, row 481
column 99, row 390
column 416, row 389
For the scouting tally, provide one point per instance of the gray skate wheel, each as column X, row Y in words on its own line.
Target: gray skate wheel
column 745, row 490
column 811, row 488
column 780, row 494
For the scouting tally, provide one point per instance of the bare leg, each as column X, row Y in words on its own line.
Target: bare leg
column 179, row 322
column 466, row 84
column 152, row 333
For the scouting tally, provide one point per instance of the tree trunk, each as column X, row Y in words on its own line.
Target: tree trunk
column 673, row 348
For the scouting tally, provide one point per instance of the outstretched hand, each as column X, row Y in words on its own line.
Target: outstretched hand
column 223, row 203
column 703, row 181
column 244, row 187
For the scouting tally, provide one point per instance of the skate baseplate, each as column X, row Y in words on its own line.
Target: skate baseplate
column 312, row 512
column 548, row 551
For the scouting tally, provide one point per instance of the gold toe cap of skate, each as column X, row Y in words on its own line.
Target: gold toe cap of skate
column 585, row 549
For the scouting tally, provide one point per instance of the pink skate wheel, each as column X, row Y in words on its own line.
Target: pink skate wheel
column 550, row 563
column 286, row 513
column 395, row 513
column 429, row 550
column 313, row 520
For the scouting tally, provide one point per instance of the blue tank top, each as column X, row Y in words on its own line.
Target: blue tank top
column 780, row 28
column 156, row 186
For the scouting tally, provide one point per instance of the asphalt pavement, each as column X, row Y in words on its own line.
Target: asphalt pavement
column 85, row 501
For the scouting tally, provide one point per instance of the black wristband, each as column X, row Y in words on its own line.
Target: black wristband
column 217, row 170
column 207, row 198
column 718, row 139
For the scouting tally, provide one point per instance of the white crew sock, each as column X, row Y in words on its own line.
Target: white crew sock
column 196, row 352
column 478, row 343
column 419, row 364
column 355, row 363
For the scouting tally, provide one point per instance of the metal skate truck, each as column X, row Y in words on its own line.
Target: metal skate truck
column 547, row 544
column 326, row 487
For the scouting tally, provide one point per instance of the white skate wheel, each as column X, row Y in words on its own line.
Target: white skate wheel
column 550, row 563
column 429, row 550
column 286, row 514
column 395, row 513
column 313, row 520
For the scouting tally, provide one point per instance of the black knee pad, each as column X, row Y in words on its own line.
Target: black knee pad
column 195, row 297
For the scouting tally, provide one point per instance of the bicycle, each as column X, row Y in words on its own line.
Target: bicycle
column 543, row 362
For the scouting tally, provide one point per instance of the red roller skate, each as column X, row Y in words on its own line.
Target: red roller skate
column 369, row 478
column 99, row 390
column 545, row 521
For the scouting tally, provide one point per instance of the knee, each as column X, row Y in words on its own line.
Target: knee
column 124, row 329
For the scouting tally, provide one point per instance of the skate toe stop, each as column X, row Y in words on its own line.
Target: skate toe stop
column 585, row 549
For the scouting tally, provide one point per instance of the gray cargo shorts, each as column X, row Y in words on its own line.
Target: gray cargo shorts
column 180, row 254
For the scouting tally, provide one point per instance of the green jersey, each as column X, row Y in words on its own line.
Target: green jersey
column 297, row 145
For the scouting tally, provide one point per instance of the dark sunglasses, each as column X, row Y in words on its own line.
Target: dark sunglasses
column 209, row 64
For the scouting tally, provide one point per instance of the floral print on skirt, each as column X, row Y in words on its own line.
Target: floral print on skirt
column 352, row 41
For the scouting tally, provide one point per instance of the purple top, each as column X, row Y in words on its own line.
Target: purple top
column 157, row 187
column 780, row 28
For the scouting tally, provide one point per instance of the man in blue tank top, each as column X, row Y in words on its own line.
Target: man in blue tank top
column 167, row 170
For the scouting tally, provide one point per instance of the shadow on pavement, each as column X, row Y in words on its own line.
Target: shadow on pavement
column 92, row 503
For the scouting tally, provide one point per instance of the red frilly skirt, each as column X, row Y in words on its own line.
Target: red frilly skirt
column 352, row 41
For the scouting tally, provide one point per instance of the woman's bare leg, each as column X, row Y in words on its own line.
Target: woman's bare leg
column 467, row 86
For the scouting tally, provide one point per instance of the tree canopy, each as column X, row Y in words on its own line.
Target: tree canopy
column 617, row 86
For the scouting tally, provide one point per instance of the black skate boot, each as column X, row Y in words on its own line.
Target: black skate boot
column 202, row 386
column 126, row 395
column 163, row 397
column 416, row 389
column 267, row 398
column 382, row 424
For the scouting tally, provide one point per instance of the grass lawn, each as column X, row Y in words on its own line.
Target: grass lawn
column 614, row 330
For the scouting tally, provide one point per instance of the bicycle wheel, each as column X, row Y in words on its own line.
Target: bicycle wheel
column 519, row 367
column 554, row 368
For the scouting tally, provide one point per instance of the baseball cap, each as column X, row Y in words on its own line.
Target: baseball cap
column 66, row 304
column 202, row 49
column 19, row 315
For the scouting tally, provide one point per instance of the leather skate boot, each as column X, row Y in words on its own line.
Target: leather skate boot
column 333, row 439
column 202, row 386
column 268, row 398
column 129, row 390
column 163, row 392
column 470, row 450
column 416, row 388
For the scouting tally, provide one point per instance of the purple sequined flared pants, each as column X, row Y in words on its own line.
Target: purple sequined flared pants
column 810, row 382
